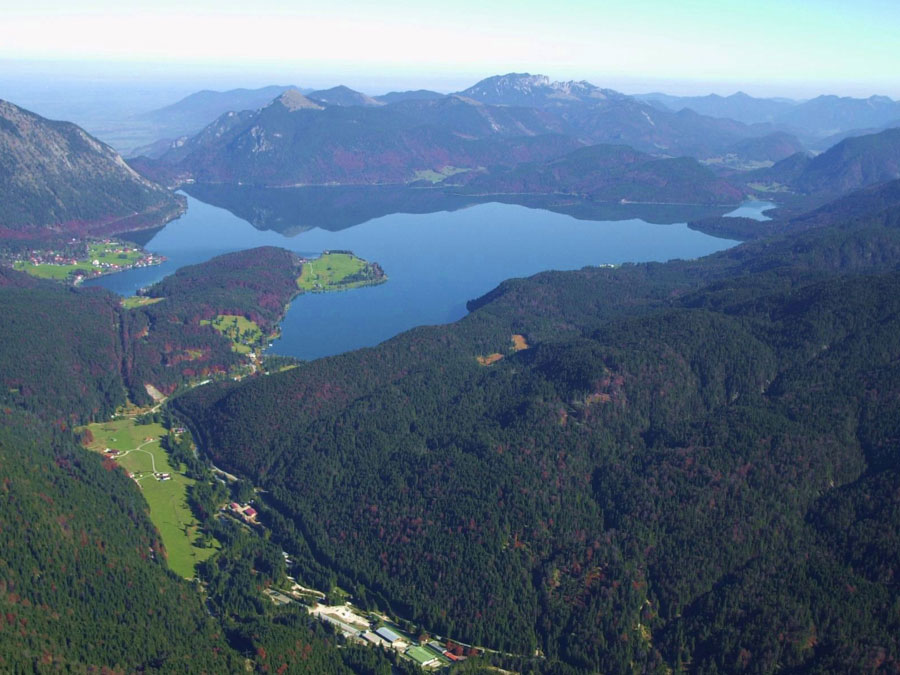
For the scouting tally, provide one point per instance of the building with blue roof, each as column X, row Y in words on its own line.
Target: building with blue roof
column 388, row 634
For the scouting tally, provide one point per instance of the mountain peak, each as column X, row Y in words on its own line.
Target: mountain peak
column 511, row 82
column 293, row 100
column 525, row 89
column 343, row 96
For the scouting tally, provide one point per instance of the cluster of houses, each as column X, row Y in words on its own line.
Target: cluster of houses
column 147, row 260
column 427, row 655
column 430, row 654
column 244, row 511
column 67, row 259
column 51, row 258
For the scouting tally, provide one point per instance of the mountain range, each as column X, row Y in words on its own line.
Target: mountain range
column 342, row 137
column 738, row 106
column 824, row 117
column 295, row 140
column 544, row 138
column 194, row 112
column 815, row 120
column 514, row 134
column 598, row 115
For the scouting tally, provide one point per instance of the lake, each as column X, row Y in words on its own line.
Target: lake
column 435, row 262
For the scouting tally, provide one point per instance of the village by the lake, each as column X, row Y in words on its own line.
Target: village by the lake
column 82, row 259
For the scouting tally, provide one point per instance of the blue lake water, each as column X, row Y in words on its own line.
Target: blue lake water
column 435, row 262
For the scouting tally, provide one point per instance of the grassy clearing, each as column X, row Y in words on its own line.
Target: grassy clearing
column 433, row 176
column 519, row 343
column 48, row 271
column 338, row 271
column 167, row 499
column 770, row 187
column 489, row 360
column 139, row 301
column 243, row 333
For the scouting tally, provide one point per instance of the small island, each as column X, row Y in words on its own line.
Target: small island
column 78, row 260
column 338, row 271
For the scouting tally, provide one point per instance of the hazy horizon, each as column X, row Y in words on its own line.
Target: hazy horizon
column 179, row 80
column 792, row 48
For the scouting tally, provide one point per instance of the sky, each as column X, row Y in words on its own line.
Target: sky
column 795, row 48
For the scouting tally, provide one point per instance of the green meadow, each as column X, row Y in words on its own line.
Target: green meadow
column 243, row 333
column 167, row 500
column 134, row 301
column 335, row 271
column 433, row 176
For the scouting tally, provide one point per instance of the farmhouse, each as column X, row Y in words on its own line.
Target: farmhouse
column 245, row 511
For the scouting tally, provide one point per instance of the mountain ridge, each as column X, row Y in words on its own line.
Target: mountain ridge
column 56, row 179
column 610, row 173
column 353, row 141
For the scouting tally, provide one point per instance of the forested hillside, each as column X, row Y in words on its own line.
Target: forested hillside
column 61, row 350
column 681, row 470
column 849, row 165
column 83, row 584
column 55, row 179
column 72, row 354
column 610, row 173
column 170, row 342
